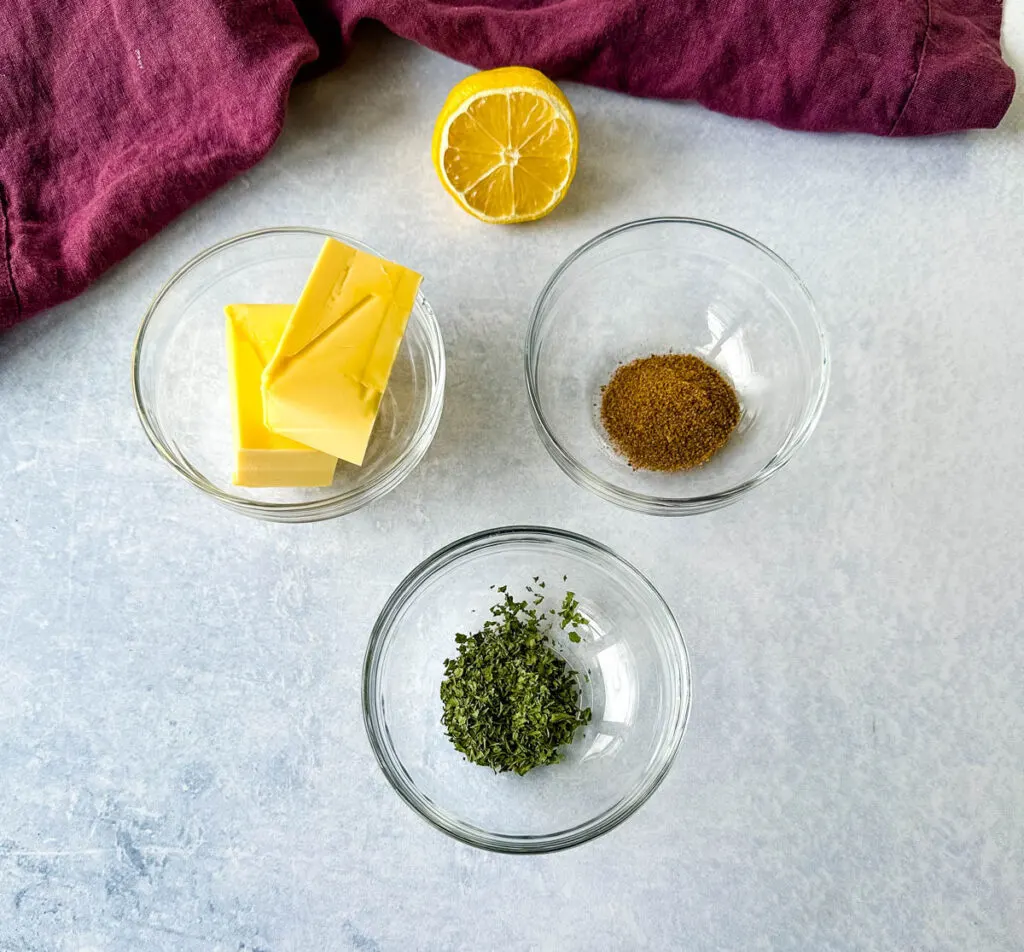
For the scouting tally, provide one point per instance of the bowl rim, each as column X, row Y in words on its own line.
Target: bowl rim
column 644, row 502
column 307, row 511
column 391, row 766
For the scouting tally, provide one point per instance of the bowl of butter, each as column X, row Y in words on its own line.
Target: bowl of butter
column 293, row 374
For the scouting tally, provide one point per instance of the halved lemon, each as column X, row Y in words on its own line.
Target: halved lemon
column 505, row 144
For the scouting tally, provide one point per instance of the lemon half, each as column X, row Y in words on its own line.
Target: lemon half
column 505, row 144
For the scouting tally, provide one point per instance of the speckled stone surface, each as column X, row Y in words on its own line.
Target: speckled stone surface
column 183, row 764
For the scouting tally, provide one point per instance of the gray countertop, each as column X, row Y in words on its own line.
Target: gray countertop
column 183, row 764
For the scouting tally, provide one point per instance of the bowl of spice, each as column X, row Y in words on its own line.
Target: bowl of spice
column 525, row 689
column 674, row 364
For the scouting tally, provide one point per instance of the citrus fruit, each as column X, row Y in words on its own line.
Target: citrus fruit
column 505, row 144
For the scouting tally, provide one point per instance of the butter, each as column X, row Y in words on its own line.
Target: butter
column 263, row 458
column 324, row 382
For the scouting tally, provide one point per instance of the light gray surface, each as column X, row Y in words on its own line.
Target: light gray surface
column 182, row 757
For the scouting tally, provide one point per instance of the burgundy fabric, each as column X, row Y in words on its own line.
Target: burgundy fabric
column 115, row 115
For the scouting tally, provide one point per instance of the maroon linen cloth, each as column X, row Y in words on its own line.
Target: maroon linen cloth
column 115, row 115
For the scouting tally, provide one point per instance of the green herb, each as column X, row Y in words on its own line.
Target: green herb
column 510, row 702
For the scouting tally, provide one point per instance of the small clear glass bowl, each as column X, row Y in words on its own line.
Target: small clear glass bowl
column 181, row 382
column 632, row 652
column 676, row 285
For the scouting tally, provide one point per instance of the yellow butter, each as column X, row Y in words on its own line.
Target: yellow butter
column 263, row 458
column 324, row 382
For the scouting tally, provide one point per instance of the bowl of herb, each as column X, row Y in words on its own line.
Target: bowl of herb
column 673, row 365
column 525, row 689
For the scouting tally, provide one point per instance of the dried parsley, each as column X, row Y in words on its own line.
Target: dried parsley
column 510, row 702
column 668, row 412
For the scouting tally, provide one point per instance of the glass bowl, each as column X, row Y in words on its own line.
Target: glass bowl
column 638, row 690
column 181, row 383
column 676, row 285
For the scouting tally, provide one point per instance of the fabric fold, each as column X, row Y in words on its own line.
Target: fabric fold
column 959, row 55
